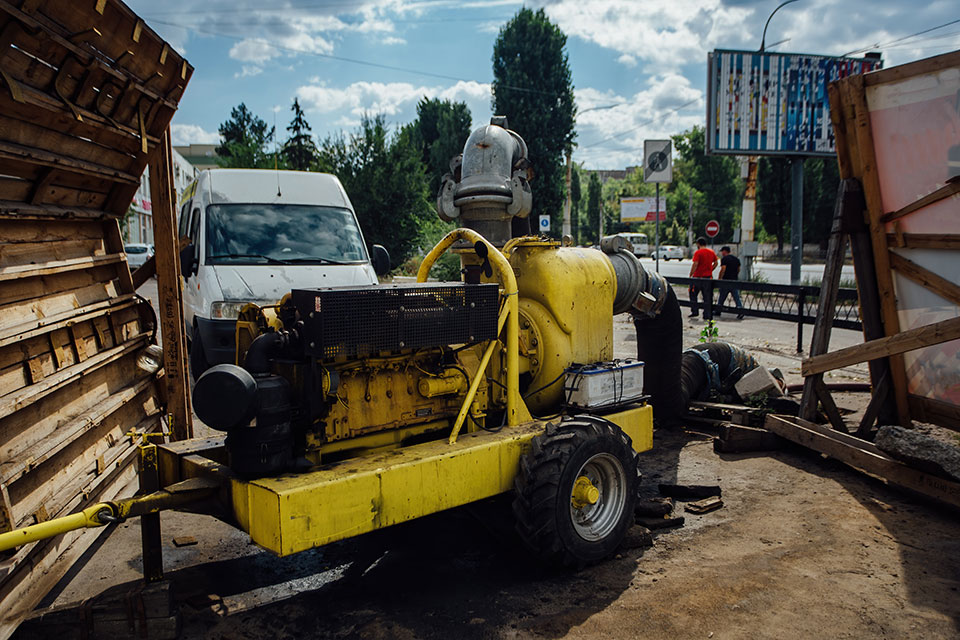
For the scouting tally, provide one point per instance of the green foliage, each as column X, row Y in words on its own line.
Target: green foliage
column 299, row 151
column 532, row 87
column 594, row 193
column 385, row 179
column 442, row 127
column 715, row 178
column 710, row 332
column 821, row 178
column 243, row 141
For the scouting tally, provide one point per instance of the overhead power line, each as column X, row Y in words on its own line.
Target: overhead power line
column 898, row 40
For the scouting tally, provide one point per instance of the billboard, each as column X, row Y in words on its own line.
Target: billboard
column 773, row 103
column 641, row 209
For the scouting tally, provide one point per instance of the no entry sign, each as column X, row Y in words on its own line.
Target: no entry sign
column 713, row 228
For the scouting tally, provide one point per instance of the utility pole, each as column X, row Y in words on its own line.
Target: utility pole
column 796, row 219
column 690, row 220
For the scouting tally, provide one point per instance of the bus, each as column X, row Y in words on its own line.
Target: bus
column 640, row 242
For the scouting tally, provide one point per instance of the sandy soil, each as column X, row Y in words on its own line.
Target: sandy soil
column 804, row 547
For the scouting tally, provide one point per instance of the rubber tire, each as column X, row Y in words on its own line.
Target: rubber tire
column 198, row 359
column 543, row 487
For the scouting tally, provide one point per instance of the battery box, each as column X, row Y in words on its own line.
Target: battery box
column 604, row 384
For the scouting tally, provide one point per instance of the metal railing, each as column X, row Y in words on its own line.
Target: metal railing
column 792, row 303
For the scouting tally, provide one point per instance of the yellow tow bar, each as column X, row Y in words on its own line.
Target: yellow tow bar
column 95, row 516
column 104, row 513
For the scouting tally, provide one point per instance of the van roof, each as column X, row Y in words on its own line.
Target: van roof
column 274, row 187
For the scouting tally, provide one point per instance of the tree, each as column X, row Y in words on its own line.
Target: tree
column 532, row 88
column 594, row 189
column 244, row 139
column 773, row 197
column 386, row 181
column 716, row 177
column 299, row 151
column 443, row 127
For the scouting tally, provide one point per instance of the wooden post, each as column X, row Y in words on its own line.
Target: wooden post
column 856, row 98
column 848, row 196
column 168, row 287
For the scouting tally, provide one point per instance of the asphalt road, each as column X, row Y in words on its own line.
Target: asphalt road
column 776, row 273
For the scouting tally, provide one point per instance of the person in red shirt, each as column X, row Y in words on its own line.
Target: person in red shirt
column 704, row 262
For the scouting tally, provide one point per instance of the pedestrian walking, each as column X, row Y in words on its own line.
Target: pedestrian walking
column 704, row 262
column 729, row 270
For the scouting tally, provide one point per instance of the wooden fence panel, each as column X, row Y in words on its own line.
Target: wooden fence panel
column 87, row 92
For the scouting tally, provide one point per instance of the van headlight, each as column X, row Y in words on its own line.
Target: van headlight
column 226, row 310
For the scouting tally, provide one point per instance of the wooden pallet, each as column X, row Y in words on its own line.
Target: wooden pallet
column 87, row 92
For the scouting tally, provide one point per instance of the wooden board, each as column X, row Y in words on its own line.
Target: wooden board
column 86, row 97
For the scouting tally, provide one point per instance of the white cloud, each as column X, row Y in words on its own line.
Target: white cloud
column 390, row 98
column 248, row 70
column 184, row 134
column 255, row 50
column 627, row 60
column 612, row 136
column 391, row 40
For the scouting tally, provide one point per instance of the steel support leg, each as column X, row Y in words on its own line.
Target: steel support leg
column 150, row 523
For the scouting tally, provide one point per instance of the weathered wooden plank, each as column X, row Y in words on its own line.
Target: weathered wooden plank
column 853, row 90
column 935, row 411
column 18, row 210
column 31, row 253
column 139, row 392
column 924, row 240
column 49, row 561
column 848, row 197
column 28, row 395
column 945, row 191
column 13, row 230
column 170, row 313
column 858, row 456
column 902, row 342
column 58, row 266
column 18, row 318
column 911, row 69
column 35, row 423
column 925, row 278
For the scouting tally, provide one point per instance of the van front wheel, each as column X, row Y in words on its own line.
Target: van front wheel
column 198, row 359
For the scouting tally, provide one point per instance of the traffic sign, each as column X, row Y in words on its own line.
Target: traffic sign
column 544, row 224
column 713, row 228
column 657, row 161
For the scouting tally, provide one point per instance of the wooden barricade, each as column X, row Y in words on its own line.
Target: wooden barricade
column 898, row 136
column 87, row 91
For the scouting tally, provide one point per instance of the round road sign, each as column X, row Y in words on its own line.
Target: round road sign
column 713, row 228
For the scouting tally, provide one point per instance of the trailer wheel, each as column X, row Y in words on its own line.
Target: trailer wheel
column 576, row 490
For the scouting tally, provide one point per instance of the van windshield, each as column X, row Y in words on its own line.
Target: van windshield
column 282, row 234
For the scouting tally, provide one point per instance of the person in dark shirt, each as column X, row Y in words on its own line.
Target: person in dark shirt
column 729, row 270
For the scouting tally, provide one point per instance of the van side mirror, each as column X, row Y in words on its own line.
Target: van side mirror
column 380, row 260
column 188, row 260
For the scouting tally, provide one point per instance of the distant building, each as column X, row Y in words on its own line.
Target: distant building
column 614, row 174
column 201, row 156
column 139, row 223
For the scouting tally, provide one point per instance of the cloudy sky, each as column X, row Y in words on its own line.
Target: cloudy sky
column 639, row 66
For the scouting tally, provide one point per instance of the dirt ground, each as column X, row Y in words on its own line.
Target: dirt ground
column 803, row 547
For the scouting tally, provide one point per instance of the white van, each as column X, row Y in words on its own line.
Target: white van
column 255, row 235
column 640, row 242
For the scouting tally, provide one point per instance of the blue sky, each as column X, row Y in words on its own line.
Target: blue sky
column 648, row 58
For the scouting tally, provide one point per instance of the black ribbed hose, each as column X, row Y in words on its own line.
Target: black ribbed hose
column 659, row 345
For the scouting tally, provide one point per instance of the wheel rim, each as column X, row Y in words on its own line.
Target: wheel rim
column 595, row 520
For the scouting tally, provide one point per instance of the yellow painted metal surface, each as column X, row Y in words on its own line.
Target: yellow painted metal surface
column 566, row 310
column 294, row 512
column 636, row 422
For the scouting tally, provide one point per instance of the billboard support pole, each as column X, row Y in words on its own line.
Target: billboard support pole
column 657, row 232
column 796, row 218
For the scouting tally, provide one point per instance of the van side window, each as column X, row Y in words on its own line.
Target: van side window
column 184, row 226
column 195, row 226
